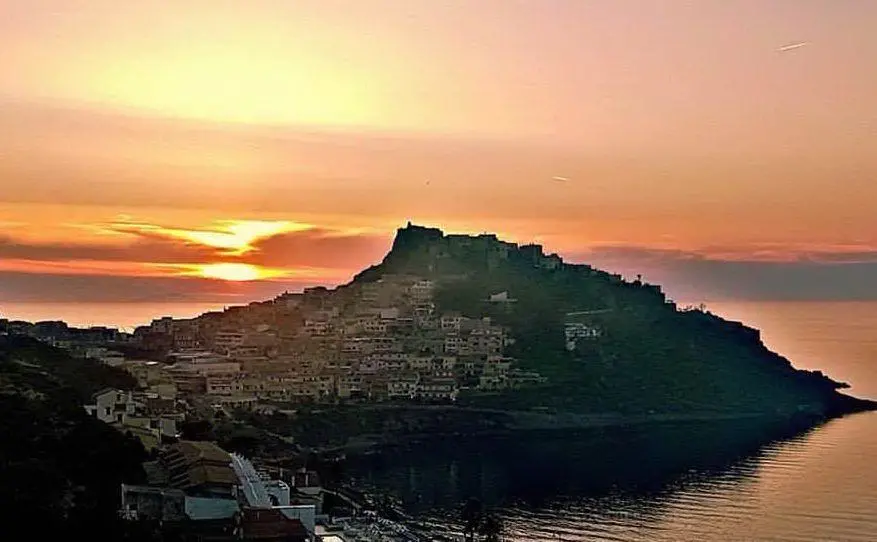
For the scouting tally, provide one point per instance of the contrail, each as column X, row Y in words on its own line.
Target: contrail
column 792, row 46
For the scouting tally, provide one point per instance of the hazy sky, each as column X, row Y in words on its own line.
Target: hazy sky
column 142, row 143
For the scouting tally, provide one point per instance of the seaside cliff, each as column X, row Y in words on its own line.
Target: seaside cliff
column 640, row 354
column 606, row 352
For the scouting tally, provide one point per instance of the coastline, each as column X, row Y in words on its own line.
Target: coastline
column 530, row 422
column 389, row 506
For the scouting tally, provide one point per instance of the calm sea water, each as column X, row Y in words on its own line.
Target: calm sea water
column 120, row 315
column 702, row 482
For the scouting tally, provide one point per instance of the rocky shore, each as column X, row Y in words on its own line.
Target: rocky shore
column 492, row 422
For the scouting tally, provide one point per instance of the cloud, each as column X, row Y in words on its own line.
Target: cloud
column 820, row 274
column 160, row 263
column 18, row 287
column 82, row 267
column 228, row 237
column 138, row 248
column 291, row 248
column 322, row 247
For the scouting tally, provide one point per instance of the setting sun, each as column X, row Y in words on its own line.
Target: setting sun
column 237, row 272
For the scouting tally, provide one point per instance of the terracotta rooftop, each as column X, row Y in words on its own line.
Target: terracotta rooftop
column 202, row 451
column 208, row 474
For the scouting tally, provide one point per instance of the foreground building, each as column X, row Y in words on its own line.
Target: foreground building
column 199, row 491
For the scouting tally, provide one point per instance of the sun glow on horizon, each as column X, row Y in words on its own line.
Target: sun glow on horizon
column 233, row 272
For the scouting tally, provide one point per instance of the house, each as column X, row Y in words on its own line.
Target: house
column 493, row 382
column 485, row 339
column 453, row 343
column 316, row 328
column 188, row 381
column 403, row 386
column 162, row 325
column 186, row 340
column 192, row 357
column 374, row 325
column 501, row 297
column 577, row 331
column 200, row 468
column 151, row 430
column 552, row 261
column 421, row 291
column 222, row 384
column 111, row 405
column 125, row 412
column 420, row 363
column 376, row 387
column 497, row 365
column 451, row 322
column 349, row 386
column 436, row 389
column 238, row 401
column 226, row 340
column 153, row 503
column 315, row 296
column 289, row 300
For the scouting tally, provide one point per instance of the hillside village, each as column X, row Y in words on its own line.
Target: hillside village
column 382, row 340
column 442, row 319
column 372, row 342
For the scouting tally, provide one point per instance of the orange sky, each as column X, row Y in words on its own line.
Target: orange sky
column 284, row 141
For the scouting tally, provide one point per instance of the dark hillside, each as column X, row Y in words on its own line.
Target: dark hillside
column 651, row 357
column 60, row 469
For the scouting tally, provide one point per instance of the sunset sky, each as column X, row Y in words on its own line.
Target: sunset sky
column 214, row 151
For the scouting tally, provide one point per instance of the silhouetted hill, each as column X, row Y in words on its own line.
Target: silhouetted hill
column 60, row 469
column 651, row 357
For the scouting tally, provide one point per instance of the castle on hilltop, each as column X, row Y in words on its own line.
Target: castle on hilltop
column 439, row 245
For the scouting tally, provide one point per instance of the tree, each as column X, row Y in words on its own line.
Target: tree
column 471, row 515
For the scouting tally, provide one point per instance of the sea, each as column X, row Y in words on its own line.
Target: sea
column 728, row 481
column 722, row 482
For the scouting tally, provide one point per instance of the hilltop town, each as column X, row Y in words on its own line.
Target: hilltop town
column 376, row 341
column 382, row 341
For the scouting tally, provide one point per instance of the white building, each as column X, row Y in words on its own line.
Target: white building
column 501, row 297
column 422, row 290
column 577, row 331
column 112, row 406
column 451, row 322
column 403, row 387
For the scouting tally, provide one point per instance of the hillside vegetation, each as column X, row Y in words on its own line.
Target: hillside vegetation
column 60, row 469
column 651, row 356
